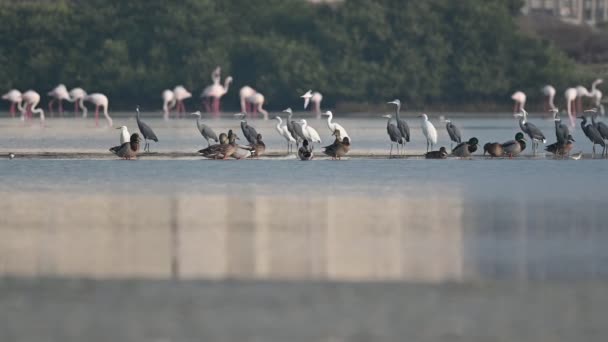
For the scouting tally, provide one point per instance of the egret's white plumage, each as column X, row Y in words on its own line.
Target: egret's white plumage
column 309, row 132
column 124, row 134
column 333, row 126
column 284, row 132
column 429, row 132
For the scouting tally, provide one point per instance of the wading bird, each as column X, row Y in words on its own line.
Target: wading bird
column 205, row 130
column 58, row 94
column 31, row 99
column 393, row 133
column 257, row 101
column 310, row 133
column 99, row 100
column 214, row 93
column 404, row 128
column 335, row 126
column 181, row 94
column 561, row 131
column 592, row 133
column 245, row 93
column 284, row 132
column 531, row 130
column 248, row 131
column 520, row 101
column 124, row 134
column 453, row 132
column 548, row 97
column 76, row 94
column 429, row 132
column 168, row 102
column 146, row 131
column 570, row 96
column 14, row 97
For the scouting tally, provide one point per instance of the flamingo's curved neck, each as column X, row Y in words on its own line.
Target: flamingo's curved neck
column 226, row 85
column 551, row 101
column 82, row 106
column 20, row 105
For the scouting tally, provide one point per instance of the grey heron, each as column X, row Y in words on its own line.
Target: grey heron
column 146, row 131
column 404, row 128
column 561, row 130
column 205, row 130
column 593, row 134
column 529, row 128
column 453, row 132
column 394, row 133
column 248, row 131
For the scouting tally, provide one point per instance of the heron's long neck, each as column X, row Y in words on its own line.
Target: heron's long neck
column 397, row 110
column 522, row 121
column 593, row 120
column 198, row 123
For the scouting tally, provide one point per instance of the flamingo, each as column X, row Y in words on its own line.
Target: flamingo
column 596, row 95
column 429, row 131
column 59, row 93
column 31, row 99
column 284, row 132
column 245, row 93
column 216, row 75
column 14, row 97
column 168, row 102
column 580, row 92
column 570, row 94
column 335, row 126
column 215, row 92
column 181, row 94
column 99, row 100
column 257, row 101
column 549, row 96
column 75, row 95
column 520, row 101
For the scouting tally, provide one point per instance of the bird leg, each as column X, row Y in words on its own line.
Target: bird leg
column 96, row 116
column 60, row 108
column 206, row 104
column 51, row 107
column 76, row 108
column 390, row 153
column 13, row 109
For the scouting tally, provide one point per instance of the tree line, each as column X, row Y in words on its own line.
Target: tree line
column 362, row 51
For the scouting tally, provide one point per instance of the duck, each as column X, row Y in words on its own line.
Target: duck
column 493, row 149
column 258, row 148
column 339, row 148
column 441, row 154
column 129, row 149
column 221, row 151
column 305, row 152
column 465, row 149
column 561, row 149
column 514, row 147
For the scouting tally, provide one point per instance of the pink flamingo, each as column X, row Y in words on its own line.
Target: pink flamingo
column 596, row 95
column 215, row 92
column 168, row 102
column 59, row 94
column 257, row 101
column 520, row 101
column 571, row 94
column 580, row 93
column 99, row 100
column 181, row 94
column 31, row 100
column 14, row 97
column 245, row 93
column 315, row 98
column 76, row 94
column 549, row 97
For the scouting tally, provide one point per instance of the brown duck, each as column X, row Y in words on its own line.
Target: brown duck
column 339, row 148
column 221, row 151
column 129, row 149
column 494, row 149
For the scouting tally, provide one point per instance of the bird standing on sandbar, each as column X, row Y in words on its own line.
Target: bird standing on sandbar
column 205, row 130
column 146, row 131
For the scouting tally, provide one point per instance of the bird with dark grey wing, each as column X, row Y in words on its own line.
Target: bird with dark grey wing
column 248, row 131
column 294, row 128
column 561, row 131
column 600, row 126
column 561, row 149
column 441, row 154
column 530, row 129
column 146, row 131
column 465, row 149
column 592, row 133
column 129, row 149
column 205, row 130
column 221, row 151
column 453, row 132
column 404, row 128
column 339, row 148
column 513, row 148
column 494, row 149
column 305, row 152
column 394, row 133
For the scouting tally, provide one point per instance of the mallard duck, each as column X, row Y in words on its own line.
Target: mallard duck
column 465, row 149
column 441, row 154
column 560, row 149
column 514, row 147
column 129, row 149
column 494, row 149
column 258, row 148
column 221, row 151
column 339, row 148
column 305, row 152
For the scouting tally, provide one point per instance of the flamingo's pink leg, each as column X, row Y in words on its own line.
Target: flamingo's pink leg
column 206, row 103
column 97, row 116
column 61, row 108
column 12, row 109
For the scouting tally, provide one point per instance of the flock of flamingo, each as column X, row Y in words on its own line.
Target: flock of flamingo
column 251, row 100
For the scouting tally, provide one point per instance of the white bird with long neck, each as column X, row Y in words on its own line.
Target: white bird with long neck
column 549, row 97
column 59, row 93
column 596, row 95
column 257, row 101
column 570, row 95
column 168, row 102
column 216, row 75
column 429, row 132
column 181, row 94
column 76, row 94
column 580, row 93
column 31, row 100
column 124, row 134
column 245, row 93
column 215, row 93
column 99, row 100
column 14, row 97
column 309, row 132
column 315, row 98
column 333, row 126
column 520, row 101
column 284, row 132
